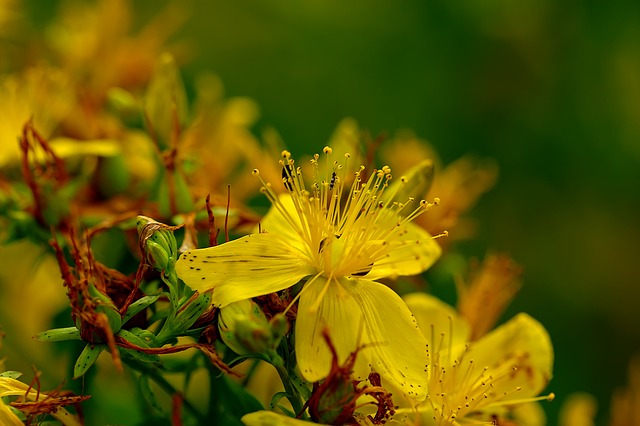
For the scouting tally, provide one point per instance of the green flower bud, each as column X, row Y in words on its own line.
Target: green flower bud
column 245, row 328
column 331, row 405
column 157, row 243
column 165, row 101
column 123, row 102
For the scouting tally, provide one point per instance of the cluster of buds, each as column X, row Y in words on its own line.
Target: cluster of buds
column 157, row 243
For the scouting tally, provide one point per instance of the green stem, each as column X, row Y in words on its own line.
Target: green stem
column 165, row 386
column 170, row 278
column 292, row 393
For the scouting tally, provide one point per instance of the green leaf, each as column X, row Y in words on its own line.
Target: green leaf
column 232, row 401
column 138, row 355
column 58, row 335
column 87, row 357
column 149, row 396
column 11, row 374
column 139, row 305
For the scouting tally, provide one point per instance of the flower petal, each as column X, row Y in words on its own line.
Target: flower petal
column 438, row 321
column 7, row 417
column 411, row 253
column 269, row 418
column 336, row 311
column 398, row 348
column 526, row 414
column 519, row 355
column 12, row 387
column 288, row 227
column 250, row 266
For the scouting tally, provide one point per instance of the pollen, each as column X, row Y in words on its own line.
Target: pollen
column 347, row 221
column 460, row 387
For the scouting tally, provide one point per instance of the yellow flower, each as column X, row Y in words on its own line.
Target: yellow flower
column 579, row 409
column 487, row 291
column 12, row 387
column 269, row 418
column 40, row 93
column 485, row 379
column 625, row 403
column 342, row 240
column 28, row 400
column 459, row 185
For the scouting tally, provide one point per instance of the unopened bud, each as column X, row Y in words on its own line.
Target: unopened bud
column 157, row 243
column 165, row 102
column 246, row 330
column 123, row 102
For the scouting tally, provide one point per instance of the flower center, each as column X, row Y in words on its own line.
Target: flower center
column 459, row 386
column 348, row 223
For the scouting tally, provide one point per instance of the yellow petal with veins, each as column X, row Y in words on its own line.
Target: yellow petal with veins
column 519, row 356
column 326, row 304
column 275, row 223
column 438, row 321
column 250, row 266
column 412, row 252
column 398, row 348
column 269, row 418
column 7, row 417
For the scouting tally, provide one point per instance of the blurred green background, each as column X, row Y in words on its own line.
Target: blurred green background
column 549, row 89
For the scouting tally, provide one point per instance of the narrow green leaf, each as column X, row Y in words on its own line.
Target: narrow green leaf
column 87, row 357
column 138, row 355
column 58, row 335
column 149, row 396
column 11, row 374
column 232, row 401
column 139, row 305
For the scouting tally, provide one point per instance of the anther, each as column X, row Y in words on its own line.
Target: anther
column 327, row 150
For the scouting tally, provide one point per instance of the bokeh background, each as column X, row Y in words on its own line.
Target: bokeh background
column 550, row 90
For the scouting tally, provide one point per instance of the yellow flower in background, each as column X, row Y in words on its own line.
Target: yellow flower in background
column 10, row 15
column 96, row 45
column 485, row 380
column 487, row 292
column 341, row 239
column 459, row 184
column 269, row 418
column 10, row 387
column 39, row 93
column 625, row 402
column 218, row 142
column 28, row 399
column 579, row 409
